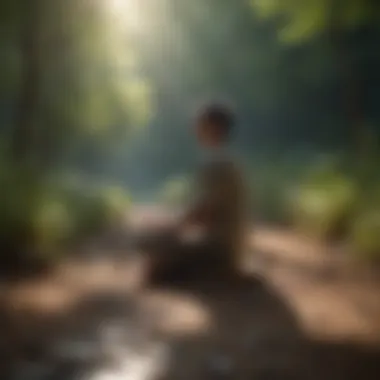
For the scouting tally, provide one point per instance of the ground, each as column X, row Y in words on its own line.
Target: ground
column 292, row 314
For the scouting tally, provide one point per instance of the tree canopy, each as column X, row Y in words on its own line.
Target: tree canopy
column 91, row 72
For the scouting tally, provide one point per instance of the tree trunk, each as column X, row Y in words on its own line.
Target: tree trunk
column 24, row 130
column 353, row 111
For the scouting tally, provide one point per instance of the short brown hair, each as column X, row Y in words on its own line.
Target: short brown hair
column 219, row 115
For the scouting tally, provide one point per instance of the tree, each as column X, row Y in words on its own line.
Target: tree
column 78, row 82
column 301, row 21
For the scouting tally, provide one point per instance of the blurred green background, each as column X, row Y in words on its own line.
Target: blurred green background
column 97, row 99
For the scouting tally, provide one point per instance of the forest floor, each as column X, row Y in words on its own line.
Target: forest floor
column 297, row 312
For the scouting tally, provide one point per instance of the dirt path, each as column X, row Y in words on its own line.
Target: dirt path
column 94, row 319
column 334, row 298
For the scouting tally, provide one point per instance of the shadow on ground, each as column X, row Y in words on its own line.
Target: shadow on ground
column 253, row 334
column 38, row 346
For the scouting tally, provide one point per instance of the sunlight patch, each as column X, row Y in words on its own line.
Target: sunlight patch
column 177, row 314
column 136, row 365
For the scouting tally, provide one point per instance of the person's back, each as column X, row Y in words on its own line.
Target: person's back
column 223, row 185
column 220, row 207
column 220, row 204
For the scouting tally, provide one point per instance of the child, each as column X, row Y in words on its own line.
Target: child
column 218, row 211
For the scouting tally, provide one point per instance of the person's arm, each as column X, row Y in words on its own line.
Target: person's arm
column 210, row 192
column 195, row 221
column 196, row 214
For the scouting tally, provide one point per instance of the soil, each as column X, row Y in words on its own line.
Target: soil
column 279, row 319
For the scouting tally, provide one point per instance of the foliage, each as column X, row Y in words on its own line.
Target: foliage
column 268, row 186
column 87, row 90
column 323, row 203
column 364, row 235
column 97, row 209
column 176, row 191
column 104, row 74
column 39, row 218
column 99, row 74
column 324, row 198
column 304, row 19
column 34, row 220
column 68, row 84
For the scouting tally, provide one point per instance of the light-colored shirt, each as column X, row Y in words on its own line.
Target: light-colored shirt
column 222, row 188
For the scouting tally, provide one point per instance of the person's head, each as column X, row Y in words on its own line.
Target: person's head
column 214, row 125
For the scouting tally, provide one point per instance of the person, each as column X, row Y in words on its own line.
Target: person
column 216, row 218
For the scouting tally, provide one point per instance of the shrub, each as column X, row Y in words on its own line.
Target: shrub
column 38, row 219
column 176, row 191
column 323, row 204
column 33, row 219
column 112, row 203
column 52, row 227
column 364, row 234
column 269, row 188
column 95, row 209
column 267, row 200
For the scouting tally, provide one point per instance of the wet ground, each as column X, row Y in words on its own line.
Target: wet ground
column 95, row 319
